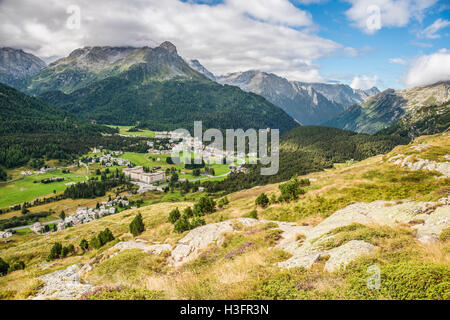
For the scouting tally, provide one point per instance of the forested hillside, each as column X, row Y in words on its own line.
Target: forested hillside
column 426, row 121
column 151, row 86
column 309, row 149
column 30, row 129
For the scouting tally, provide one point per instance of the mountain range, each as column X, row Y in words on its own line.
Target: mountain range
column 157, row 88
column 151, row 87
column 16, row 64
column 391, row 106
column 308, row 103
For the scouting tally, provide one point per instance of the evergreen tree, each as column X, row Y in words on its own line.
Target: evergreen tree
column 181, row 225
column 56, row 251
column 4, row 267
column 137, row 225
column 174, row 215
column 262, row 200
column 84, row 245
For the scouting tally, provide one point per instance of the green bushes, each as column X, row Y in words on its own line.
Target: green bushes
column 405, row 280
column 174, row 215
column 3, row 267
column 122, row 293
column 19, row 265
column 445, row 235
column 137, row 225
column 84, row 245
column 222, row 202
column 290, row 190
column 55, row 251
column 58, row 251
column 187, row 221
column 204, row 205
column 252, row 214
column 101, row 239
column 262, row 200
column 413, row 281
column 191, row 219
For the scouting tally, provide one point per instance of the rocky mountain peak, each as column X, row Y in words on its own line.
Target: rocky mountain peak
column 17, row 64
column 169, row 46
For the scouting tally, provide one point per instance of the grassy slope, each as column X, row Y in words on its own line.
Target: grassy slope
column 142, row 132
column 231, row 272
column 24, row 190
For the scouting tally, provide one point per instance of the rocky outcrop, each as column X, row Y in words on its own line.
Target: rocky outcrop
column 63, row 284
column 200, row 238
column 415, row 163
column 16, row 64
column 343, row 255
column 429, row 219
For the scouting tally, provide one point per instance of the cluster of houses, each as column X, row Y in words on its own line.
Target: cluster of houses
column 85, row 215
column 41, row 171
column 5, row 234
column 109, row 161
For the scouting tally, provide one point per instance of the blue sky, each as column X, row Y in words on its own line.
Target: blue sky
column 378, row 51
column 386, row 43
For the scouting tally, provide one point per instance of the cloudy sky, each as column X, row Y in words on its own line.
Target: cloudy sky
column 387, row 43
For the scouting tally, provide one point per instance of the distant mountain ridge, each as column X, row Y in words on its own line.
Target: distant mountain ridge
column 90, row 64
column 148, row 86
column 16, row 64
column 390, row 106
column 308, row 103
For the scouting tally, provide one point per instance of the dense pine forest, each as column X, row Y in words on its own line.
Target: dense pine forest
column 309, row 149
column 31, row 129
column 170, row 105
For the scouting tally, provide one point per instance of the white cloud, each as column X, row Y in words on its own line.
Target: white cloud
column 371, row 15
column 431, row 30
column 397, row 61
column 429, row 69
column 270, row 35
column 364, row 82
column 274, row 11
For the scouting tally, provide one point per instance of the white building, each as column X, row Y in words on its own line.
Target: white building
column 5, row 234
column 138, row 174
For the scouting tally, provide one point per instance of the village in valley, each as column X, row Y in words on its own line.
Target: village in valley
column 164, row 165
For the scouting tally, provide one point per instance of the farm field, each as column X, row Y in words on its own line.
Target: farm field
column 142, row 133
column 150, row 160
column 25, row 189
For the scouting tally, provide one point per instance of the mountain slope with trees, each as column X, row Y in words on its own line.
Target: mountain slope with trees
column 154, row 87
column 31, row 129
column 390, row 106
column 309, row 149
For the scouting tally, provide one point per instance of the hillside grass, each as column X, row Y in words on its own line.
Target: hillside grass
column 25, row 189
column 244, row 266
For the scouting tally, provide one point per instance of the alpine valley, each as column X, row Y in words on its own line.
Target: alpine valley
column 93, row 206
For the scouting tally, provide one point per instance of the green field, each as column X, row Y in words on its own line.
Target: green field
column 142, row 133
column 146, row 160
column 23, row 190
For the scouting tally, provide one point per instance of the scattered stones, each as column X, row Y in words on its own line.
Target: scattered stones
column 63, row 284
column 422, row 164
